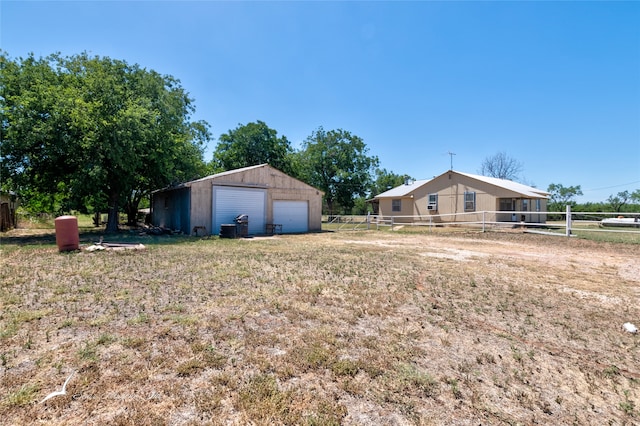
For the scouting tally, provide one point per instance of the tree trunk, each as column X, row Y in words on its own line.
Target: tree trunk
column 132, row 213
column 112, row 220
column 131, row 206
column 330, row 206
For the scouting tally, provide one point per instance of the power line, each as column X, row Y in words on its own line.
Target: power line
column 614, row 186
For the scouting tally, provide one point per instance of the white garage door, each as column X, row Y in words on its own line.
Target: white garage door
column 293, row 215
column 230, row 202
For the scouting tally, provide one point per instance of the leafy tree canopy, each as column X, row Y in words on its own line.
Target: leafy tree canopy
column 560, row 196
column 338, row 163
column 92, row 130
column 385, row 180
column 617, row 201
column 250, row 145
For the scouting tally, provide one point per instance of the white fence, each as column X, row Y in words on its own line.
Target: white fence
column 555, row 223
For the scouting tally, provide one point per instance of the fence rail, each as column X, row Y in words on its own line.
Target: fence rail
column 556, row 223
column 348, row 222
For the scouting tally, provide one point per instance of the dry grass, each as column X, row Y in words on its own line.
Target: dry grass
column 334, row 328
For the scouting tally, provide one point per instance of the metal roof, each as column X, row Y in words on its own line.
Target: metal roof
column 217, row 175
column 526, row 190
column 228, row 173
column 403, row 190
column 406, row 189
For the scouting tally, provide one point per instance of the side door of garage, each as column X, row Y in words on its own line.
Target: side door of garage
column 292, row 215
column 229, row 202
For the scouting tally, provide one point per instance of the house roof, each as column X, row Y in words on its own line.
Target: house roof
column 403, row 190
column 525, row 190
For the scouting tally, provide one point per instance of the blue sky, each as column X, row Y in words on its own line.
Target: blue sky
column 554, row 85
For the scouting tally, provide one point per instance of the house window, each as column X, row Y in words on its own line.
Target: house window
column 525, row 205
column 396, row 205
column 507, row 205
column 538, row 207
column 469, row 201
column 432, row 203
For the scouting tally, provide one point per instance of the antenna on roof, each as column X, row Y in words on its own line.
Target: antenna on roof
column 451, row 154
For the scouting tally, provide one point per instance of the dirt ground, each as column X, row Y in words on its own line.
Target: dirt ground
column 351, row 328
column 570, row 283
column 551, row 252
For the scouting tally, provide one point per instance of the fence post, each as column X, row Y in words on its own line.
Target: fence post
column 568, row 220
column 483, row 220
column 392, row 223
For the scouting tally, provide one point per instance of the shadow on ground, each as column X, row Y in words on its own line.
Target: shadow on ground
column 92, row 236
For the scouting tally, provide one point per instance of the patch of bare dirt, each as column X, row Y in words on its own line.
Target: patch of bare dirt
column 334, row 328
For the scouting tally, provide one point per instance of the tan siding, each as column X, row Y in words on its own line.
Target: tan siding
column 451, row 188
column 201, row 201
column 279, row 186
column 313, row 197
column 420, row 200
column 406, row 209
column 384, row 207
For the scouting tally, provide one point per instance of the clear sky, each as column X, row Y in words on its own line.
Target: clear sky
column 554, row 85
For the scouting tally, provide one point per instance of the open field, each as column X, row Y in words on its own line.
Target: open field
column 353, row 328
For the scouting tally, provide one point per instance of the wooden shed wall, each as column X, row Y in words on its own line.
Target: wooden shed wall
column 201, row 201
column 279, row 186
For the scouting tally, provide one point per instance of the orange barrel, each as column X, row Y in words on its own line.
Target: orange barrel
column 67, row 236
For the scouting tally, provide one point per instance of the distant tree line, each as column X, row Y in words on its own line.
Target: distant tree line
column 336, row 161
column 93, row 134
column 622, row 202
column 503, row 166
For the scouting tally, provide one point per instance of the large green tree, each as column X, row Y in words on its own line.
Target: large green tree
column 95, row 130
column 30, row 131
column 385, row 180
column 382, row 180
column 338, row 163
column 617, row 201
column 561, row 196
column 252, row 144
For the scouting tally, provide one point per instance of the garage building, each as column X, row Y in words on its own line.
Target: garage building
column 268, row 196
